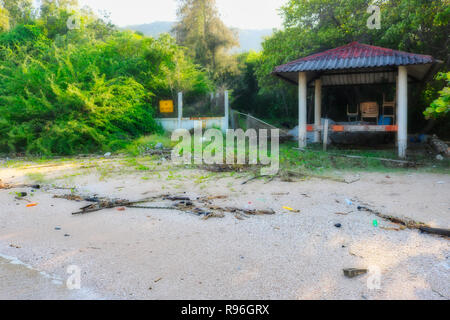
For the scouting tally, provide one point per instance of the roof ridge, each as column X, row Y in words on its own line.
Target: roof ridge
column 356, row 49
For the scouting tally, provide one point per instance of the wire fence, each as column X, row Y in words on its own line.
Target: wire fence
column 239, row 120
column 209, row 105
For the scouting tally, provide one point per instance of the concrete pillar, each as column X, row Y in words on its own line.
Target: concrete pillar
column 317, row 109
column 227, row 111
column 302, row 126
column 180, row 109
column 402, row 137
column 396, row 99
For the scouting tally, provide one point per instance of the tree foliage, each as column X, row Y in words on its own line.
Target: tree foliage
column 441, row 106
column 200, row 29
column 89, row 89
column 4, row 19
column 310, row 26
column 19, row 11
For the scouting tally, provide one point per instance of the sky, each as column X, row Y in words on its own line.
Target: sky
column 243, row 14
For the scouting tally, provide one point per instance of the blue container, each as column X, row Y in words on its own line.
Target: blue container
column 385, row 121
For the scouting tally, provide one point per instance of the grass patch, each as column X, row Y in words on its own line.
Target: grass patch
column 36, row 177
column 143, row 144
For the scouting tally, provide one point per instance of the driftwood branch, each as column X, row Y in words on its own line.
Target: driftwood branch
column 409, row 223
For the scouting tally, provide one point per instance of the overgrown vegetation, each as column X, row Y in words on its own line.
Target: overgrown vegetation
column 87, row 87
column 310, row 26
column 441, row 106
column 84, row 90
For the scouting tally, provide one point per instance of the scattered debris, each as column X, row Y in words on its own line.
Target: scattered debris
column 292, row 210
column 67, row 235
column 223, row 168
column 439, row 157
column 375, row 223
column 352, row 272
column 213, row 215
column 69, row 197
column 341, row 213
column 205, row 209
column 410, row 224
column 250, row 212
column 306, row 195
column 158, row 280
column 177, row 198
column 31, row 205
column 107, row 155
column 4, row 185
column 439, row 146
column 15, row 246
column 402, row 162
column 256, row 177
column 213, row 198
column 440, row 232
column 338, row 225
column 390, row 229
column 103, row 204
column 57, row 228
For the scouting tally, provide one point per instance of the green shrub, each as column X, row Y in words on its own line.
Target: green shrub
column 79, row 95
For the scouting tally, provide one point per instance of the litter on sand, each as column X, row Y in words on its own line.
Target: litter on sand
column 290, row 209
column 352, row 272
column 202, row 206
column 31, row 205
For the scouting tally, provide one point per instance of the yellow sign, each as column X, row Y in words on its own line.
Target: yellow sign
column 166, row 106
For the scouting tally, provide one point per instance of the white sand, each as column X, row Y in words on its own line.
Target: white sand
column 161, row 254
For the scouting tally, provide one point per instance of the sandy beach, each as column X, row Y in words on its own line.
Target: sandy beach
column 167, row 254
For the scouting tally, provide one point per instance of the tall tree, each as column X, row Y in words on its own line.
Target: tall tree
column 200, row 29
column 420, row 26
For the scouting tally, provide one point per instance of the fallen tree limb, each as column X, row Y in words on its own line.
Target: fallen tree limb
column 440, row 232
column 6, row 186
column 255, row 178
column 405, row 162
column 409, row 223
column 311, row 175
column 205, row 209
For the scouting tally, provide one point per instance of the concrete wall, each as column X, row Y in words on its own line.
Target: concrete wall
column 171, row 124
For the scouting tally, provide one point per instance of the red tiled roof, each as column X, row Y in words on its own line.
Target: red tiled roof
column 354, row 55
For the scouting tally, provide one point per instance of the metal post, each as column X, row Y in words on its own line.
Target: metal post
column 180, row 109
column 317, row 110
column 227, row 111
column 325, row 134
